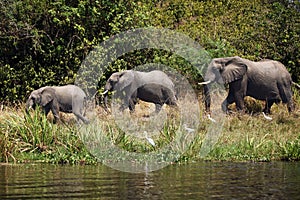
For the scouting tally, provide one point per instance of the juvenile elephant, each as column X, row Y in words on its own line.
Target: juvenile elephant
column 154, row 86
column 266, row 80
column 68, row 99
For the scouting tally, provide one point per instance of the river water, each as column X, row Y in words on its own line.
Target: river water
column 200, row 180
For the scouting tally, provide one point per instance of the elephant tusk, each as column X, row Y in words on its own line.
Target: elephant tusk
column 267, row 117
column 295, row 84
column 205, row 83
column 103, row 93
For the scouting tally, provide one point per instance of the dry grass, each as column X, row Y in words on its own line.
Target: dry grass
column 243, row 137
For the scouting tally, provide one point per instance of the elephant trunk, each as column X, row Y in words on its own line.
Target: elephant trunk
column 105, row 94
column 108, row 87
column 29, row 105
column 207, row 98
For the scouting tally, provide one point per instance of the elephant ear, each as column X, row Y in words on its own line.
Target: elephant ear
column 35, row 97
column 125, row 79
column 47, row 96
column 233, row 70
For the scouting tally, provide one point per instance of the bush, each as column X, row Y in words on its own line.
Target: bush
column 44, row 42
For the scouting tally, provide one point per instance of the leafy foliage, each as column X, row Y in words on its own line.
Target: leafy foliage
column 44, row 42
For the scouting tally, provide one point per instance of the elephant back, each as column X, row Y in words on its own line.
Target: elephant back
column 67, row 93
column 159, row 77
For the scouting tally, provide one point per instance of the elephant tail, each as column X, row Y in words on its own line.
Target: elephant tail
column 296, row 85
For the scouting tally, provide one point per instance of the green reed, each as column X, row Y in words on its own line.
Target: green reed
column 34, row 137
column 249, row 137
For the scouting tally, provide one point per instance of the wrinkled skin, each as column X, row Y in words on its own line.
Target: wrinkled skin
column 266, row 80
column 155, row 87
column 68, row 99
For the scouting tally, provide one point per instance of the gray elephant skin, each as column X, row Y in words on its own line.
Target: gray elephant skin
column 68, row 99
column 130, row 85
column 266, row 80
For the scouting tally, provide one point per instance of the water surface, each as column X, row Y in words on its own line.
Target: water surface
column 202, row 180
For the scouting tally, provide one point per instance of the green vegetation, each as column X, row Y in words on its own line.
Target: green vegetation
column 34, row 138
column 44, row 42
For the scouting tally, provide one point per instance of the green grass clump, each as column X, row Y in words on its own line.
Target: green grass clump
column 248, row 137
column 27, row 138
column 253, row 138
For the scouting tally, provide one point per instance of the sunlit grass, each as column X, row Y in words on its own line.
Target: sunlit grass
column 34, row 137
column 254, row 138
column 248, row 137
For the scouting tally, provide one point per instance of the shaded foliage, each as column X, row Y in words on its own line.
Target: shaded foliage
column 44, row 42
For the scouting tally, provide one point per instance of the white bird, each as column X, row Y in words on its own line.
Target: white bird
column 210, row 118
column 189, row 130
column 150, row 140
column 267, row 117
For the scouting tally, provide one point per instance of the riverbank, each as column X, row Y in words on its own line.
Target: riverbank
column 35, row 138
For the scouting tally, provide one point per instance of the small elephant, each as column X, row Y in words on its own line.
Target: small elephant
column 154, row 86
column 68, row 99
column 266, row 80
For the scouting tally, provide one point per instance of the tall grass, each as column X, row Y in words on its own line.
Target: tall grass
column 33, row 137
column 249, row 137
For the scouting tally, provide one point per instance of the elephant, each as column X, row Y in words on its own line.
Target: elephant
column 154, row 87
column 266, row 80
column 67, row 98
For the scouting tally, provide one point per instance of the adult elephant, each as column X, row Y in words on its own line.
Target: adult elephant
column 68, row 99
column 266, row 80
column 154, row 86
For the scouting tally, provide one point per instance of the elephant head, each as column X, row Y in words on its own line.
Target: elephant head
column 42, row 97
column 225, row 70
column 33, row 100
column 118, row 81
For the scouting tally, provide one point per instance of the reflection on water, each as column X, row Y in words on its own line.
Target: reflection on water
column 202, row 180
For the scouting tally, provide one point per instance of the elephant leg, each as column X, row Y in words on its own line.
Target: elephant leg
column 81, row 117
column 238, row 89
column 55, row 112
column 286, row 96
column 291, row 105
column 78, row 112
column 46, row 109
column 239, row 101
column 269, row 103
column 54, row 107
column 289, row 101
column 128, row 104
column 227, row 101
column 124, row 105
column 172, row 101
column 158, row 108
column 167, row 96
column 131, row 105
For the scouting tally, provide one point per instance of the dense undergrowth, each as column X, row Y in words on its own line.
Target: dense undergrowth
column 45, row 42
column 248, row 137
